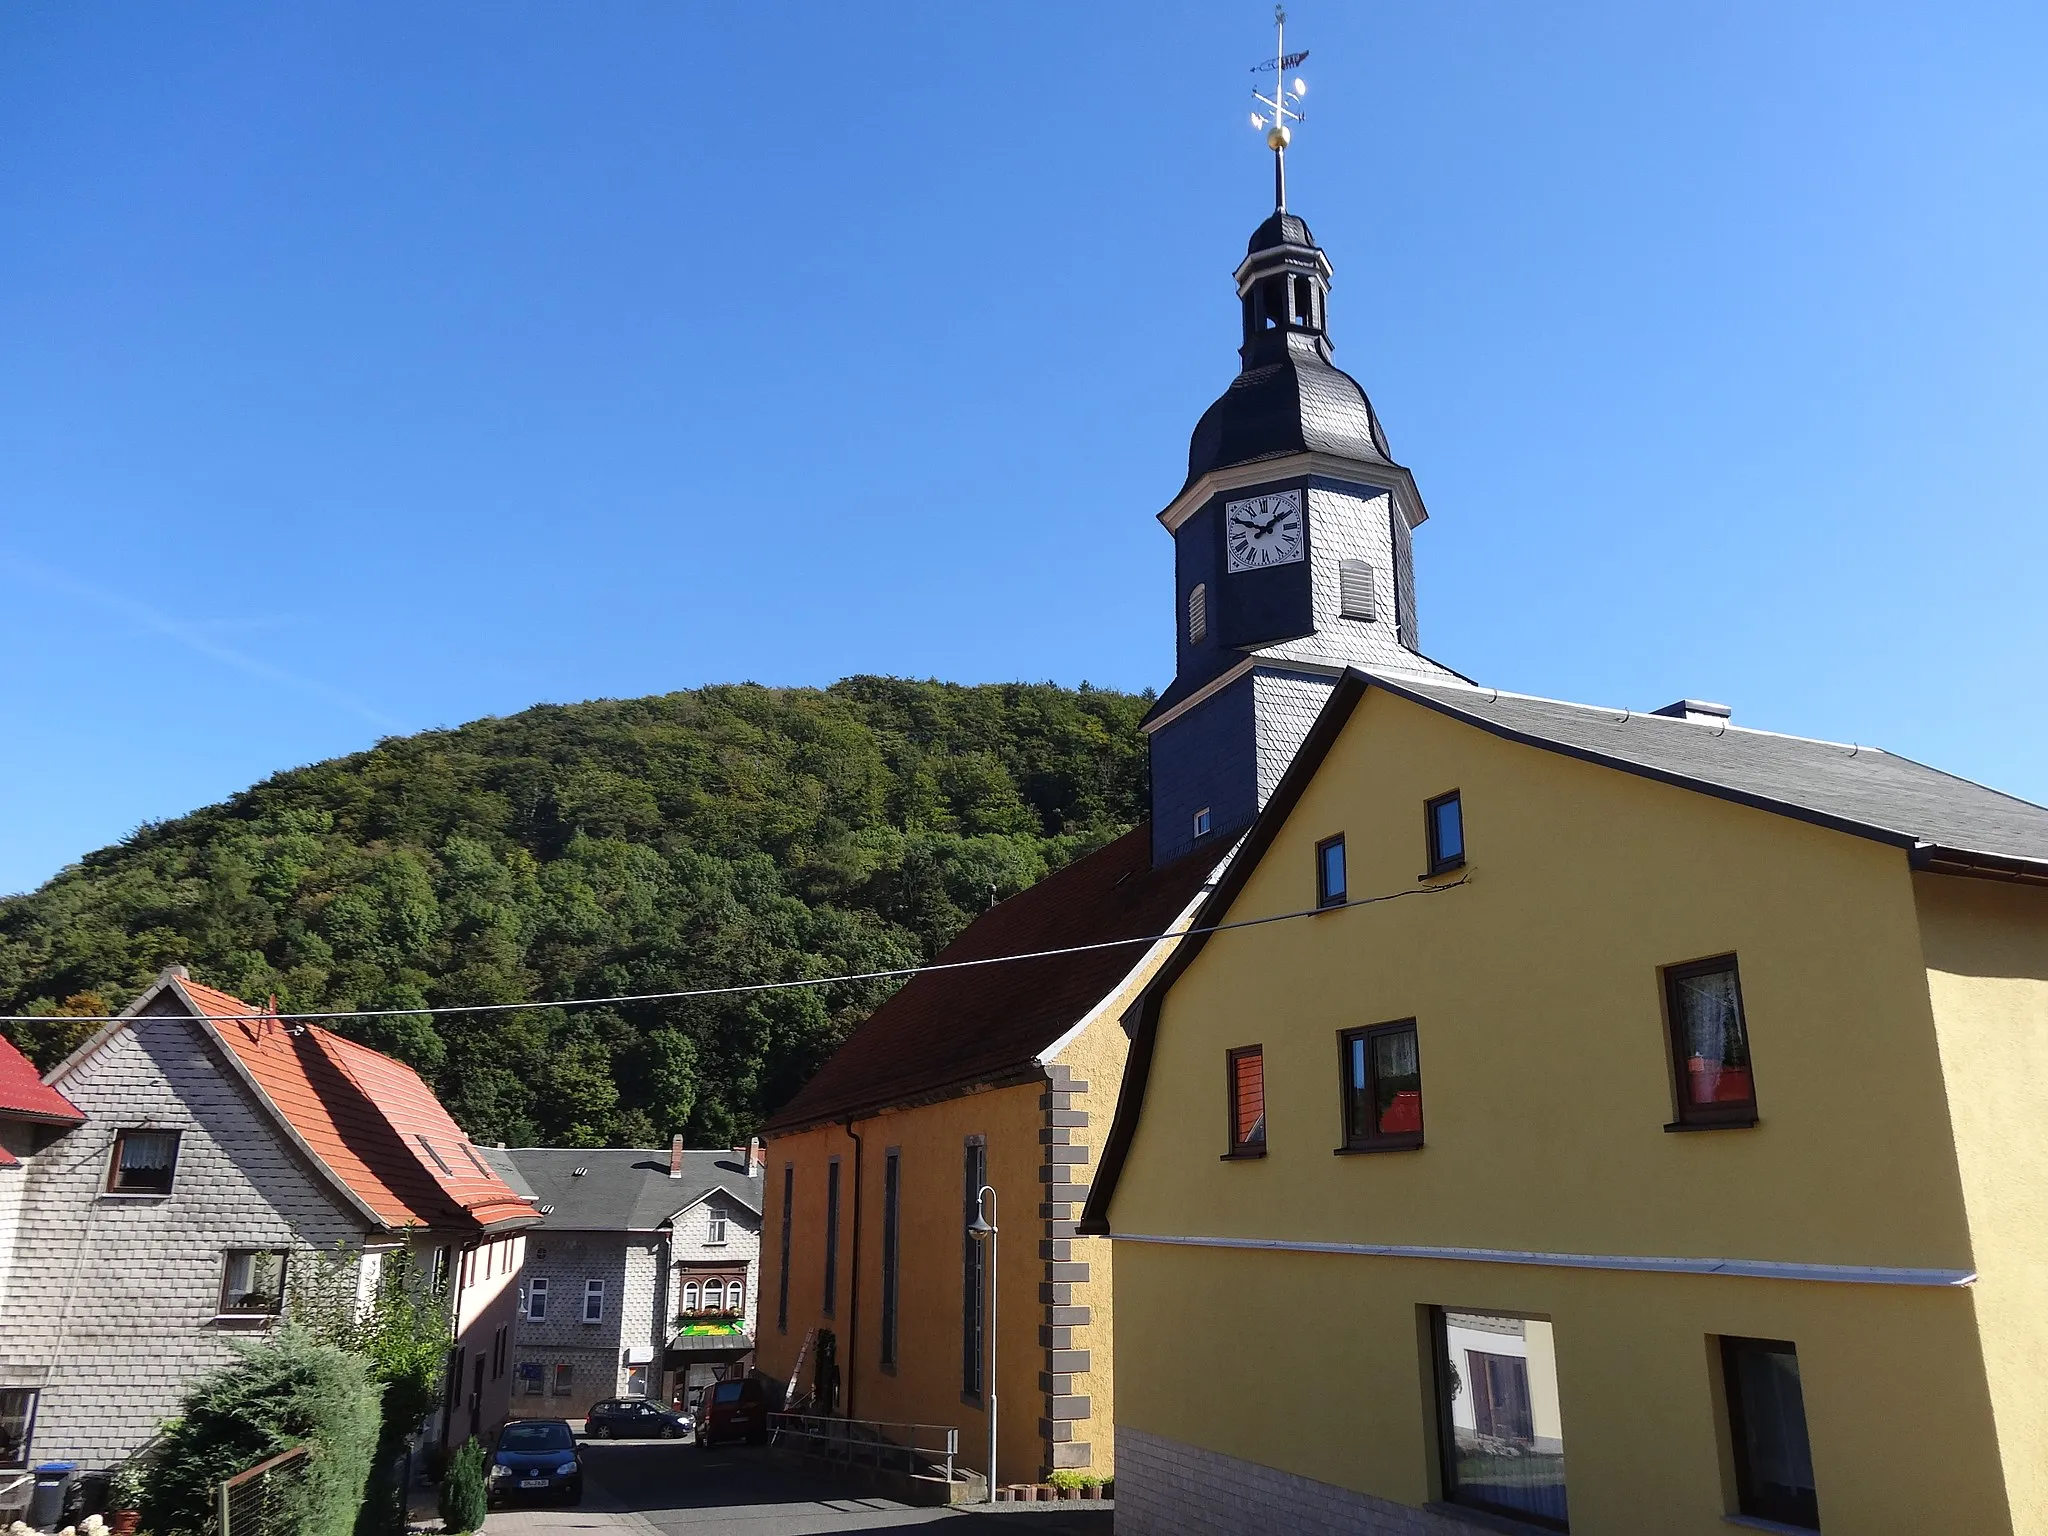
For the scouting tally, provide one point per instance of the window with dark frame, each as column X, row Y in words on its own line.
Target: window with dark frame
column 1245, row 1069
column 564, row 1378
column 892, row 1215
column 1500, row 1436
column 17, row 1424
column 782, row 1279
column 1330, row 879
column 1202, row 822
column 1382, row 1086
column 1712, row 1081
column 831, row 1237
column 144, row 1163
column 1444, row 818
column 252, row 1282
column 973, row 1267
column 1767, row 1432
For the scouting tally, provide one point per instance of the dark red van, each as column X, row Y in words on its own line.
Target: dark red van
column 733, row 1410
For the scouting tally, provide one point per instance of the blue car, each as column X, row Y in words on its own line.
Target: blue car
column 536, row 1459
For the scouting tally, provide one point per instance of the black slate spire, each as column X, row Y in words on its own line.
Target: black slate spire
column 1288, row 397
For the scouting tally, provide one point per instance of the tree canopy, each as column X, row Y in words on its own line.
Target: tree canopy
column 713, row 837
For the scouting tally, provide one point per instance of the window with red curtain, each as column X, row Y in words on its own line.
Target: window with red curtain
column 1709, row 1044
column 1247, row 1076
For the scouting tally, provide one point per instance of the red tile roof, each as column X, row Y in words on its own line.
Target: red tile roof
column 25, row 1096
column 370, row 1119
column 950, row 1031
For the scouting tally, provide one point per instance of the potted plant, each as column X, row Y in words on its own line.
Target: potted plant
column 124, row 1499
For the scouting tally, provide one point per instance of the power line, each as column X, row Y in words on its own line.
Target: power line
column 761, row 986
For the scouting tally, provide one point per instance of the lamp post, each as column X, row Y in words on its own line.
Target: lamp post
column 983, row 1230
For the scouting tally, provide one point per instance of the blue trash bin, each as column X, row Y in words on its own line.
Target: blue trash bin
column 54, row 1482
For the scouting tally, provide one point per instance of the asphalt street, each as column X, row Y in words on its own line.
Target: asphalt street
column 645, row 1487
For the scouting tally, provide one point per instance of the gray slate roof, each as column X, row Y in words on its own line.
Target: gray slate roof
column 627, row 1189
column 1857, row 789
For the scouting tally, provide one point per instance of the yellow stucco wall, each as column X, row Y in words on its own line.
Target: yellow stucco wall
column 1986, row 945
column 924, row 1386
column 1337, row 1389
column 1546, row 1086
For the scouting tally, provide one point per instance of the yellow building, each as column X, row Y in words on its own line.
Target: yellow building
column 1645, row 1128
column 874, row 1299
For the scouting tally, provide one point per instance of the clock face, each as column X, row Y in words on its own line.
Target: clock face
column 1263, row 531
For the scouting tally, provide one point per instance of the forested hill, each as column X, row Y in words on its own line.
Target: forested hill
column 725, row 835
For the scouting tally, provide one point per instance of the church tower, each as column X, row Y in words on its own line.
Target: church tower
column 1292, row 547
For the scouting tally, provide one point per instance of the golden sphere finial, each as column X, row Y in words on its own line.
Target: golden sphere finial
column 1278, row 137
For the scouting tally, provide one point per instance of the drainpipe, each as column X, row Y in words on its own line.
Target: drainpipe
column 853, row 1288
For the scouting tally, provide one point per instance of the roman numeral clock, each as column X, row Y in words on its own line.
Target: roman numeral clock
column 1263, row 531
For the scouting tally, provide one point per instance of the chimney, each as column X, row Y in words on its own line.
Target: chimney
column 757, row 1158
column 1698, row 711
column 675, row 1158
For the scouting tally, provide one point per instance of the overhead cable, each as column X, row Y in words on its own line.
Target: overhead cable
column 765, row 986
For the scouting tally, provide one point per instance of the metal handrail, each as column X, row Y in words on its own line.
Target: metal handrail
column 886, row 1444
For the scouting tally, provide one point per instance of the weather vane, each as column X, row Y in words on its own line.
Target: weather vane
column 1283, row 106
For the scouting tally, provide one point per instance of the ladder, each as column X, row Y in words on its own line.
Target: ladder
column 796, row 1369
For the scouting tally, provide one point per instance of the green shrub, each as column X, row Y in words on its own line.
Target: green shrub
column 463, row 1500
column 288, row 1390
column 1079, row 1480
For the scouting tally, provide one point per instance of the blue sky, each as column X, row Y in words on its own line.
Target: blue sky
column 375, row 367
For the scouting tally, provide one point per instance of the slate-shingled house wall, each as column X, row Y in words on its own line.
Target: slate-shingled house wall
column 110, row 1305
column 288, row 1138
column 625, row 1223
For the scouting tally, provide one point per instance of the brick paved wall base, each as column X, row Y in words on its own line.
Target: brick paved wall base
column 1167, row 1488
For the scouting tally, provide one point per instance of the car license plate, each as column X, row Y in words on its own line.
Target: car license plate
column 533, row 1482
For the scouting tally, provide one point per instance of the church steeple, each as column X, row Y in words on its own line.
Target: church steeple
column 1292, row 541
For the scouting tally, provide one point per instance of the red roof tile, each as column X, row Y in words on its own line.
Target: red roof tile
column 952, row 1030
column 370, row 1119
column 25, row 1096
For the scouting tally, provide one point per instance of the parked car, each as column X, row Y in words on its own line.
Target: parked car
column 733, row 1410
column 536, row 1459
column 634, row 1418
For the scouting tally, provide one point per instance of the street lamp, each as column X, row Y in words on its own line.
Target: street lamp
column 983, row 1230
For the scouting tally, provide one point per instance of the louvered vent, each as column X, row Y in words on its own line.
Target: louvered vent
column 1354, row 589
column 1198, row 613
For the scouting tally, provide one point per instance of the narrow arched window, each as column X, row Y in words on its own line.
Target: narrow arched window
column 691, row 1296
column 1304, row 302
column 735, row 1296
column 1198, row 613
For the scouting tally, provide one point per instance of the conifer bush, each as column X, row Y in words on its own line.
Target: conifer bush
column 288, row 1390
column 464, row 1502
